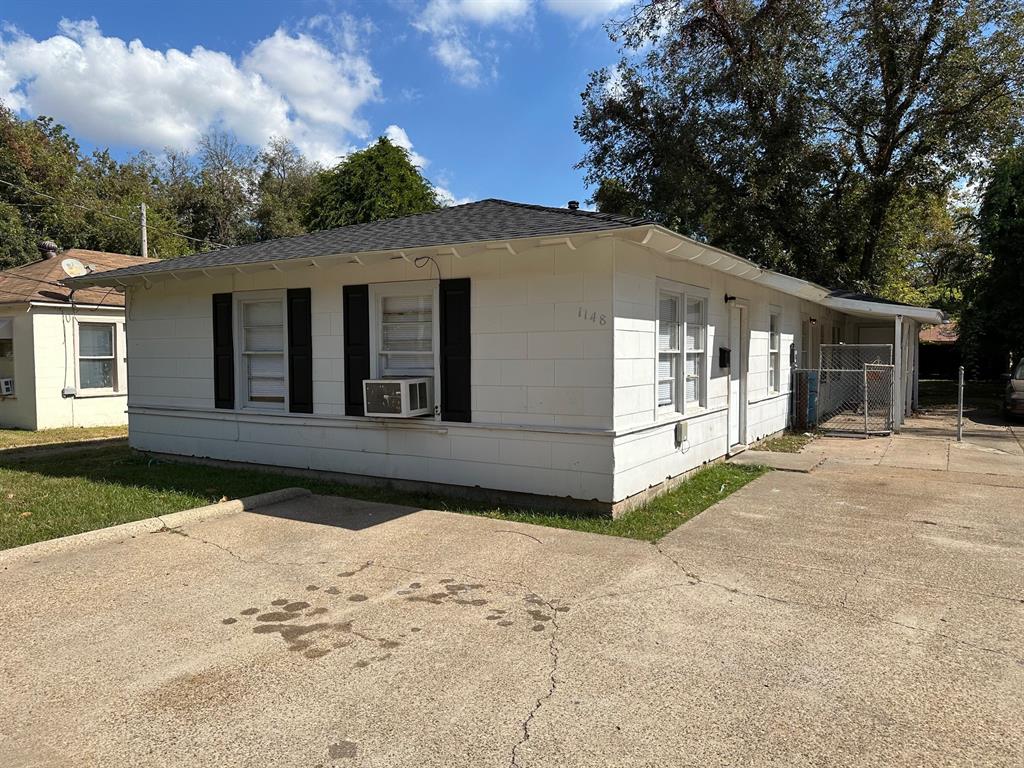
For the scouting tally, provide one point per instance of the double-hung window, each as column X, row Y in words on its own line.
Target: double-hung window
column 405, row 329
column 681, row 339
column 264, row 369
column 774, row 353
column 97, row 361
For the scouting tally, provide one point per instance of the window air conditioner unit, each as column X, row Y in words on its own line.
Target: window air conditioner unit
column 6, row 386
column 399, row 397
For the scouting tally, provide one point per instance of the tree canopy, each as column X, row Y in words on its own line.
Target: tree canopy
column 994, row 317
column 814, row 136
column 222, row 193
column 378, row 182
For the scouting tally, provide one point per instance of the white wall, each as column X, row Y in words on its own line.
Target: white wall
column 645, row 449
column 19, row 411
column 563, row 366
column 541, row 376
column 56, row 367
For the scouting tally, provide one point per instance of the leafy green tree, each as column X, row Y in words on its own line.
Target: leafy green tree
column 378, row 182
column 283, row 191
column 994, row 319
column 801, row 132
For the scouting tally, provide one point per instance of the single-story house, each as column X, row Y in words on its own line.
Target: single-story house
column 940, row 352
column 62, row 350
column 561, row 353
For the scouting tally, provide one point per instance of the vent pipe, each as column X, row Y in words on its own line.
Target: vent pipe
column 48, row 249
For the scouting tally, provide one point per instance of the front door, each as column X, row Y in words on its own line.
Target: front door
column 737, row 376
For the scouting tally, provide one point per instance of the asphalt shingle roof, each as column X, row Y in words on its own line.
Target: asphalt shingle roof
column 38, row 280
column 473, row 222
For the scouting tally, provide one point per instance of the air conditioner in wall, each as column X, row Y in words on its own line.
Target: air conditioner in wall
column 6, row 386
column 399, row 397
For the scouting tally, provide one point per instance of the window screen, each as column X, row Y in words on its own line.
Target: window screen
column 96, row 361
column 263, row 352
column 681, row 350
column 407, row 335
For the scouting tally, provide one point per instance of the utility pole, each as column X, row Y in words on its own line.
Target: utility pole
column 145, row 236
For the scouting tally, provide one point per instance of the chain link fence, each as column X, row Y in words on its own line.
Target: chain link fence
column 851, row 392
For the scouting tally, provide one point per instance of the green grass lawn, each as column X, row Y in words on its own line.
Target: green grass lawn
column 789, row 442
column 45, row 497
column 18, row 438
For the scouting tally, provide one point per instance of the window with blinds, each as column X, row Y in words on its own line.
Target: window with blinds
column 406, row 335
column 263, row 351
column 774, row 353
column 97, row 363
column 682, row 330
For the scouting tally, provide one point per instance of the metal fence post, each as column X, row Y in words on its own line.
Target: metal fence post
column 960, row 407
column 866, row 403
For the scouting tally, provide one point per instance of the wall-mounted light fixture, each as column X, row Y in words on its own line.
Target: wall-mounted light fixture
column 729, row 298
column 814, row 321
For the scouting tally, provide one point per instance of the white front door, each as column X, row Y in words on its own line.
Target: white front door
column 737, row 376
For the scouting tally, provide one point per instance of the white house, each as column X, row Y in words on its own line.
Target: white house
column 572, row 354
column 62, row 351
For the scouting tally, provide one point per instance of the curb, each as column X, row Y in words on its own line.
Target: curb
column 118, row 533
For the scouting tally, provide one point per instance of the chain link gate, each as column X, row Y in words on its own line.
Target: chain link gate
column 851, row 392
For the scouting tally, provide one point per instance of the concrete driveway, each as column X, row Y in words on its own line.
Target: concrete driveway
column 857, row 616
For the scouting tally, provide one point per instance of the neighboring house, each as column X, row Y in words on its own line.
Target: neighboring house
column 940, row 353
column 62, row 352
column 566, row 346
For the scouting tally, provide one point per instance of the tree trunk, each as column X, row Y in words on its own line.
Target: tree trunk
column 879, row 207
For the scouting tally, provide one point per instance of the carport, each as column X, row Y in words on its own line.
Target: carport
column 870, row 320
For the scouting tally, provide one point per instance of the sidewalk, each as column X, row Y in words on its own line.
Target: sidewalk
column 928, row 442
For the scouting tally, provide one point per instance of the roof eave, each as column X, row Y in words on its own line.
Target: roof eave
column 459, row 249
column 881, row 309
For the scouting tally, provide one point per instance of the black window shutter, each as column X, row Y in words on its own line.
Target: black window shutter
column 223, row 351
column 356, row 327
column 455, row 350
column 300, row 351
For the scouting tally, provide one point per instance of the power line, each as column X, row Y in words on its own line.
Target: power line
column 110, row 215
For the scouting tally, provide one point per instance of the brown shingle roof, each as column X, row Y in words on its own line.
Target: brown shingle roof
column 939, row 334
column 37, row 281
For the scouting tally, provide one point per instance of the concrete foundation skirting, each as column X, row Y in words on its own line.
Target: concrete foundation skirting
column 639, row 499
column 475, row 493
column 149, row 525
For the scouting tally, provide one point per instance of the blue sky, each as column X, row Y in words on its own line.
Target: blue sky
column 482, row 91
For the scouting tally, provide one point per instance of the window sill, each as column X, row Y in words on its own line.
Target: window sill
column 91, row 393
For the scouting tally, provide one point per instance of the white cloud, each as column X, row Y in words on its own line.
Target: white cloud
column 450, row 23
column 446, row 198
column 587, row 11
column 464, row 67
column 440, row 14
column 400, row 138
column 112, row 91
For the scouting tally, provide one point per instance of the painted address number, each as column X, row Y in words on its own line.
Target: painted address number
column 593, row 317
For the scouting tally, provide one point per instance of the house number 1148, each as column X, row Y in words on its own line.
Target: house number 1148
column 593, row 317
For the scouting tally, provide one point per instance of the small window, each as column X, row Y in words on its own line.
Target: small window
column 263, row 353
column 681, row 351
column 669, row 333
column 774, row 354
column 695, row 334
column 406, row 333
column 97, row 365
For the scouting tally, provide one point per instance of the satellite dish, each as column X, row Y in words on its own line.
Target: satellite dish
column 74, row 268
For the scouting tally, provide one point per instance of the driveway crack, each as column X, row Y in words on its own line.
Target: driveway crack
column 553, row 651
